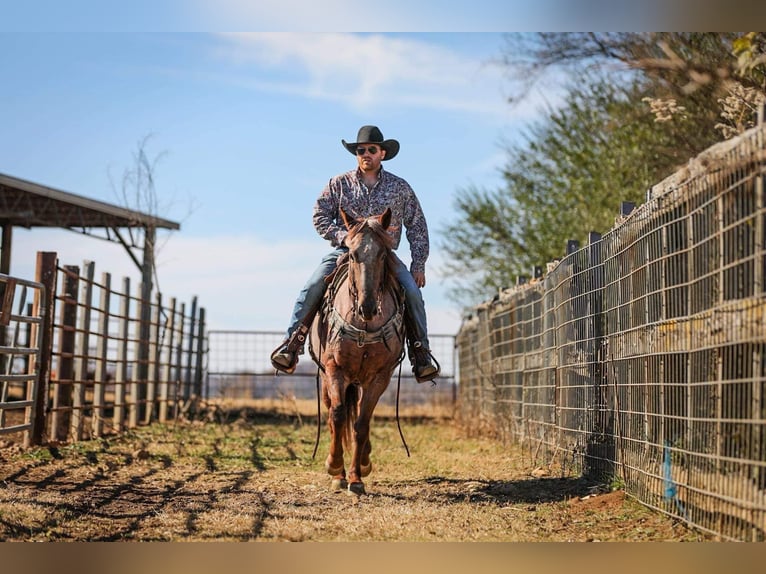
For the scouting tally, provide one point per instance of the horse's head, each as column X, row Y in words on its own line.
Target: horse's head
column 369, row 247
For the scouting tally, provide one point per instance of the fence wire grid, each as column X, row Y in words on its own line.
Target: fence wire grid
column 641, row 357
column 239, row 368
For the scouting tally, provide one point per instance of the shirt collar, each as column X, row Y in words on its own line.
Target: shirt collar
column 360, row 178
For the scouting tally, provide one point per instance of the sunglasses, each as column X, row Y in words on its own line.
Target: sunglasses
column 360, row 150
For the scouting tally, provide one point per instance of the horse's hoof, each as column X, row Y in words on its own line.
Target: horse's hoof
column 338, row 484
column 356, row 488
column 365, row 469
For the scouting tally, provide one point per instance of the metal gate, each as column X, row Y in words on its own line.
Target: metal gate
column 21, row 313
column 239, row 368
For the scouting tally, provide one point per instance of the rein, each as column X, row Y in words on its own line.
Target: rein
column 398, row 386
column 398, row 423
column 338, row 327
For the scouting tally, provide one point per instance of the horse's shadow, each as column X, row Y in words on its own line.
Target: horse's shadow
column 503, row 492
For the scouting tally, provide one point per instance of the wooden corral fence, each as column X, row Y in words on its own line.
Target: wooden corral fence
column 84, row 358
column 641, row 357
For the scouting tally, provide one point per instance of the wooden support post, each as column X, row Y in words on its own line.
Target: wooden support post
column 139, row 372
column 180, row 393
column 200, row 354
column 100, row 375
column 121, row 373
column 167, row 371
column 144, row 332
column 82, row 354
column 154, row 358
column 44, row 307
column 62, row 391
column 188, row 391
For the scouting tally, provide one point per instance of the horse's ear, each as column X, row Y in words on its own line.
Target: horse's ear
column 385, row 218
column 348, row 221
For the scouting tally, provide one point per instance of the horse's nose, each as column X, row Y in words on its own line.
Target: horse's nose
column 368, row 311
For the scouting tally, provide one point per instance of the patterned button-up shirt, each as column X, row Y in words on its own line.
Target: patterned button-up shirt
column 349, row 192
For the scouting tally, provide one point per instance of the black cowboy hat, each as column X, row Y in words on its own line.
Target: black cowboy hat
column 371, row 134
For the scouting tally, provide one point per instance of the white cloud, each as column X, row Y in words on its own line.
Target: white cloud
column 369, row 70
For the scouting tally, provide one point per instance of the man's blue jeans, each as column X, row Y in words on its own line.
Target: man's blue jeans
column 311, row 295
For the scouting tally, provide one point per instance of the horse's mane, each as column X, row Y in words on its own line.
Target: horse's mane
column 384, row 238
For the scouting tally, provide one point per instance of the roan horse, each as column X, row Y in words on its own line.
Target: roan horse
column 357, row 342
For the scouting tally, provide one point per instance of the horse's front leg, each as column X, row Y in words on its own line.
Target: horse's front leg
column 361, row 465
column 332, row 396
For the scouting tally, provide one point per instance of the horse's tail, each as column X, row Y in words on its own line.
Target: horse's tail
column 351, row 404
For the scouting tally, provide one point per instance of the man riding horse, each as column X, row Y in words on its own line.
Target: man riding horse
column 363, row 192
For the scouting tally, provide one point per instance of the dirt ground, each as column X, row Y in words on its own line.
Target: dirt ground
column 246, row 475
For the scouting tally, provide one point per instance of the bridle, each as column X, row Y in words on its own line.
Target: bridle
column 339, row 327
column 354, row 292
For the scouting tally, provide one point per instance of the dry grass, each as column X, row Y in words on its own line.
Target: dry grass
column 249, row 475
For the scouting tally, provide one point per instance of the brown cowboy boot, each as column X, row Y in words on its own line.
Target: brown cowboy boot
column 423, row 363
column 285, row 357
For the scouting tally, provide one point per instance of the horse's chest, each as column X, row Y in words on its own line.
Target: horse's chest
column 363, row 363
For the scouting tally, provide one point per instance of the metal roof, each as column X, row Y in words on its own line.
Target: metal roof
column 27, row 204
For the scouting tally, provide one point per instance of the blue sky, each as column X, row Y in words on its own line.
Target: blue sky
column 248, row 127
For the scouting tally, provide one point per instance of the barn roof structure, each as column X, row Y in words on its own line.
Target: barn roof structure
column 27, row 204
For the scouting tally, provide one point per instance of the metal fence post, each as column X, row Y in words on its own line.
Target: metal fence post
column 188, row 391
column 200, row 354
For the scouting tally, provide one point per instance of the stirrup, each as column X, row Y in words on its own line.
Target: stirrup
column 430, row 371
column 285, row 357
column 282, row 359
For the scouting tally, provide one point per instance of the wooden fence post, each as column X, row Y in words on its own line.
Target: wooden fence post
column 142, row 352
column 179, row 391
column 188, row 391
column 82, row 354
column 154, row 358
column 100, row 375
column 121, row 373
column 45, row 308
column 167, row 370
column 62, row 396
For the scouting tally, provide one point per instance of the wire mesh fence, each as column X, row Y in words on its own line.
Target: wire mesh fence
column 641, row 357
column 239, row 368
